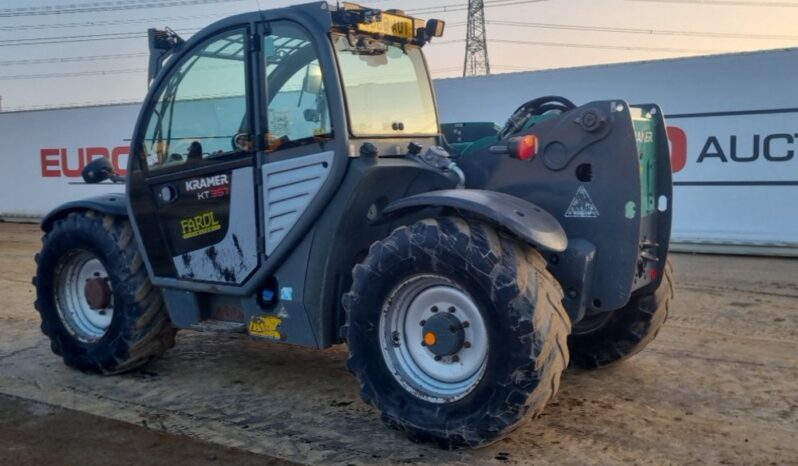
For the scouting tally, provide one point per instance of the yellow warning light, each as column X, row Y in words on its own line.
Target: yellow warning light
column 388, row 23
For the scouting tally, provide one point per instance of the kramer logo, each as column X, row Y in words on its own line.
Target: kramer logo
column 207, row 182
column 198, row 225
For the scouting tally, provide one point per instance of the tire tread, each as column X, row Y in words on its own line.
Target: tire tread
column 628, row 331
column 492, row 252
column 146, row 332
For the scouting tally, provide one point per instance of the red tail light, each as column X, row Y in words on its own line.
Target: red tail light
column 523, row 147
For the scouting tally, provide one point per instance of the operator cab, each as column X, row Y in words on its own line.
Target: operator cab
column 284, row 95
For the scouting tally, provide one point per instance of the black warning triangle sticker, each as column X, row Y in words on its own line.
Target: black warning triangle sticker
column 581, row 205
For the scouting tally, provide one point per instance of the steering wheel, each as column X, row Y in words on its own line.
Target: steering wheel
column 241, row 141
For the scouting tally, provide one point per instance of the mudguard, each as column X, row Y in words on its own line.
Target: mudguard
column 606, row 179
column 112, row 204
column 523, row 218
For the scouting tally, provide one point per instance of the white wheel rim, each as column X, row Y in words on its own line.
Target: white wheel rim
column 401, row 331
column 74, row 269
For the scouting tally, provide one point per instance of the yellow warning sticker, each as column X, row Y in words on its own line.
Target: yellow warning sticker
column 201, row 224
column 266, row 326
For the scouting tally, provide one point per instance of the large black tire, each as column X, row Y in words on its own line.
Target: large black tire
column 519, row 301
column 139, row 330
column 624, row 332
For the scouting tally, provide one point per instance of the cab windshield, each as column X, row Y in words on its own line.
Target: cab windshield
column 387, row 89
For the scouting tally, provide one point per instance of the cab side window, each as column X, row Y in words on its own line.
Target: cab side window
column 297, row 109
column 201, row 112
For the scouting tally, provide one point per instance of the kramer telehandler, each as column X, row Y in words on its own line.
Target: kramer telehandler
column 288, row 179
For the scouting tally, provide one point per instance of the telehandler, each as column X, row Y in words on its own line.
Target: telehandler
column 288, row 179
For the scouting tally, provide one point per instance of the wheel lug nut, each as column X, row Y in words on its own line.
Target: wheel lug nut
column 437, row 358
column 422, row 323
column 455, row 358
column 452, row 309
column 467, row 344
column 434, row 309
column 466, row 324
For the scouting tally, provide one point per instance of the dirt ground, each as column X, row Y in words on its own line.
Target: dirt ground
column 80, row 439
column 718, row 386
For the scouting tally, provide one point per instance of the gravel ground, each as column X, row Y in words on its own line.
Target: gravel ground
column 718, row 386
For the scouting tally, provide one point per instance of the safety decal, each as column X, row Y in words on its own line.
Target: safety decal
column 266, row 326
column 199, row 225
column 582, row 206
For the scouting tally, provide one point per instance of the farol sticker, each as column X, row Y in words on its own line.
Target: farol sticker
column 199, row 225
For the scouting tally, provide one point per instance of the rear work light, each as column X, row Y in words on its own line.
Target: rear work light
column 519, row 147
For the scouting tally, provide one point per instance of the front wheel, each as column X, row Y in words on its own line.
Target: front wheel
column 613, row 336
column 95, row 299
column 455, row 332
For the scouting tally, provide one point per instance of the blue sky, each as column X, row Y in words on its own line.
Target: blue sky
column 523, row 35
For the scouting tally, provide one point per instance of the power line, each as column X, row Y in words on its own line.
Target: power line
column 93, row 7
column 117, row 22
column 605, row 47
column 588, row 46
column 725, row 3
column 460, row 7
column 502, row 41
column 132, row 35
column 573, row 27
column 60, row 7
column 65, row 39
column 76, row 5
column 44, row 61
column 79, row 38
column 72, row 74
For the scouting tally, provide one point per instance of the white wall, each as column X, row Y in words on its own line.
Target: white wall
column 751, row 202
column 42, row 153
column 38, row 146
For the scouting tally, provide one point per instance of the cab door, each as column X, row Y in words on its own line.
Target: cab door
column 192, row 177
column 301, row 147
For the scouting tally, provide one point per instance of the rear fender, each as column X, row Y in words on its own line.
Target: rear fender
column 523, row 218
column 600, row 171
column 111, row 204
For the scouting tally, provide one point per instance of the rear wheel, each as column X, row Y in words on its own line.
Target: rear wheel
column 96, row 302
column 613, row 336
column 456, row 333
